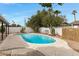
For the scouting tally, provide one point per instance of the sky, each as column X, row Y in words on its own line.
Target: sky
column 19, row 12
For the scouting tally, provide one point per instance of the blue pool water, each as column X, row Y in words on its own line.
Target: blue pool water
column 36, row 38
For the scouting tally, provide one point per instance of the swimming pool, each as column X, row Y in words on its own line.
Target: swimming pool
column 37, row 38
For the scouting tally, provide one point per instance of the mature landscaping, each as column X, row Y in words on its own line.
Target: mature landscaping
column 44, row 31
column 45, row 18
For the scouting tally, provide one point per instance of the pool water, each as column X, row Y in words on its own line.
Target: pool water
column 37, row 38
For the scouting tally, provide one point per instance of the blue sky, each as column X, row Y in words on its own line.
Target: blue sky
column 19, row 12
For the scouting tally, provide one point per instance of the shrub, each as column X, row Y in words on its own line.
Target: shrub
column 2, row 30
column 53, row 31
column 22, row 30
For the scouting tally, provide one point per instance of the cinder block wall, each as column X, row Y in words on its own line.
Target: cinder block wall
column 70, row 34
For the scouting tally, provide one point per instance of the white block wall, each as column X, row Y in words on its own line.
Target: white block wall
column 58, row 30
column 29, row 30
column 18, row 29
column 14, row 29
column 45, row 30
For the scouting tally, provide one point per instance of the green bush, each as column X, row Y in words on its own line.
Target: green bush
column 2, row 30
column 22, row 30
column 53, row 31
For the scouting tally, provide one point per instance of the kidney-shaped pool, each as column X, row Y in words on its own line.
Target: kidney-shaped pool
column 37, row 38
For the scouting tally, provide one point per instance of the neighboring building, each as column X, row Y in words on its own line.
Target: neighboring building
column 75, row 23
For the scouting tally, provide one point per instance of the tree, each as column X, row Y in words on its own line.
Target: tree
column 50, row 9
column 47, row 21
column 60, row 4
column 58, row 21
column 18, row 25
column 13, row 24
column 74, row 13
column 35, row 21
column 48, row 5
column 42, row 19
column 56, row 12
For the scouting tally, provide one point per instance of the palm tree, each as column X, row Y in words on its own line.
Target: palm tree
column 74, row 13
column 49, row 6
column 57, row 12
column 46, row 5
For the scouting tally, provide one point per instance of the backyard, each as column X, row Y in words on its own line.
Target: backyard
column 38, row 31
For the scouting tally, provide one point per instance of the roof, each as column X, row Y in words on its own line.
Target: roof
column 75, row 22
column 2, row 19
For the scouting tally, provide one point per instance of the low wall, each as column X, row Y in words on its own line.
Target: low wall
column 45, row 30
column 18, row 30
column 58, row 30
column 70, row 34
column 14, row 29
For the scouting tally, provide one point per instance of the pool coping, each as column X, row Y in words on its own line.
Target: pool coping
column 59, row 42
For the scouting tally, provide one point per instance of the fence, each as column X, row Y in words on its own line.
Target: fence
column 14, row 29
column 70, row 34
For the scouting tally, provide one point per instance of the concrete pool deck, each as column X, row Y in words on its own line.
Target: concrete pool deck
column 14, row 45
